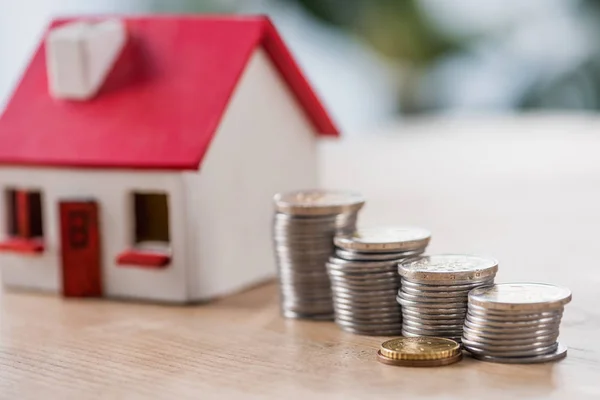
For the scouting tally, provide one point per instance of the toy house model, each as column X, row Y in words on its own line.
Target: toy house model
column 139, row 157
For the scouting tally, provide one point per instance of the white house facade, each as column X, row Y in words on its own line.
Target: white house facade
column 173, row 234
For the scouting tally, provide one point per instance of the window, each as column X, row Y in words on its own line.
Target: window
column 24, row 214
column 151, row 236
column 151, row 219
column 24, row 221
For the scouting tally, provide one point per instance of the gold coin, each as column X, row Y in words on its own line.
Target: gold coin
column 419, row 348
column 420, row 363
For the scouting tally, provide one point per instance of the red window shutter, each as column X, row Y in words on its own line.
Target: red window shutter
column 23, row 217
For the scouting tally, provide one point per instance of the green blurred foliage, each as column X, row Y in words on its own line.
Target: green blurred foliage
column 396, row 28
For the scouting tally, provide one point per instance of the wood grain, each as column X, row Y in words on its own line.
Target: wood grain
column 539, row 219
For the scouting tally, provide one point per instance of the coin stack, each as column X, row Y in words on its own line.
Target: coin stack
column 434, row 290
column 304, row 225
column 419, row 352
column 515, row 323
column 364, row 280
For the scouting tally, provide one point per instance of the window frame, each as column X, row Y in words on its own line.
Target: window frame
column 147, row 254
column 24, row 225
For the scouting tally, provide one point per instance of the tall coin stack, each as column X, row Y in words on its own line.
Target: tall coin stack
column 364, row 280
column 304, row 225
column 515, row 323
column 434, row 292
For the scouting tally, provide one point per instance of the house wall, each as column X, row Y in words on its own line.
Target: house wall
column 112, row 190
column 265, row 144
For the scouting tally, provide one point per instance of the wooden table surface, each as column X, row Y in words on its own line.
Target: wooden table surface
column 530, row 199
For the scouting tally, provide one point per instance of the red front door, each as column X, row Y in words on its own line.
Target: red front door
column 80, row 249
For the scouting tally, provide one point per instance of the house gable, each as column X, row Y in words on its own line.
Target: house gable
column 265, row 144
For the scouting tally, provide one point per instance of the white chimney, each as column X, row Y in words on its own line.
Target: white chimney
column 79, row 56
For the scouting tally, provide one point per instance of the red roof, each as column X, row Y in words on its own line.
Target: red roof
column 166, row 117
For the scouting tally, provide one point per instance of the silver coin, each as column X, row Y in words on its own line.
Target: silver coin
column 299, row 275
column 353, row 286
column 433, row 313
column 473, row 333
column 389, row 275
column 306, row 308
column 312, row 316
column 432, row 294
column 434, row 322
column 318, row 202
column 364, row 302
column 512, row 316
column 426, row 299
column 362, row 299
column 358, row 287
column 357, row 256
column 371, row 298
column 510, row 342
column 520, row 296
column 369, row 319
column 365, row 293
column 377, row 296
column 375, row 285
column 307, row 219
column 498, row 348
column 385, row 239
column 312, row 283
column 437, row 306
column 459, row 283
column 370, row 314
column 293, row 298
column 430, row 332
column 454, row 336
column 558, row 354
column 306, row 288
column 410, row 334
column 448, row 267
column 510, row 329
column 362, row 266
column 452, row 286
column 354, row 308
column 313, row 305
column 392, row 332
column 355, row 269
column 514, row 353
column 313, row 255
column 316, row 300
column 362, row 305
column 374, row 320
column 513, row 324
column 426, row 326
column 305, row 299
column 370, row 326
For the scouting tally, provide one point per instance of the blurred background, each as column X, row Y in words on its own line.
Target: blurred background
column 375, row 61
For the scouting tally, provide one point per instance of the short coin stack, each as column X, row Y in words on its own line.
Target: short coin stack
column 419, row 352
column 304, row 225
column 515, row 322
column 364, row 280
column 434, row 290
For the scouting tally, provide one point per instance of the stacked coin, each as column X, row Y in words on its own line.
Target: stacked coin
column 434, row 290
column 515, row 322
column 419, row 352
column 304, row 225
column 364, row 280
